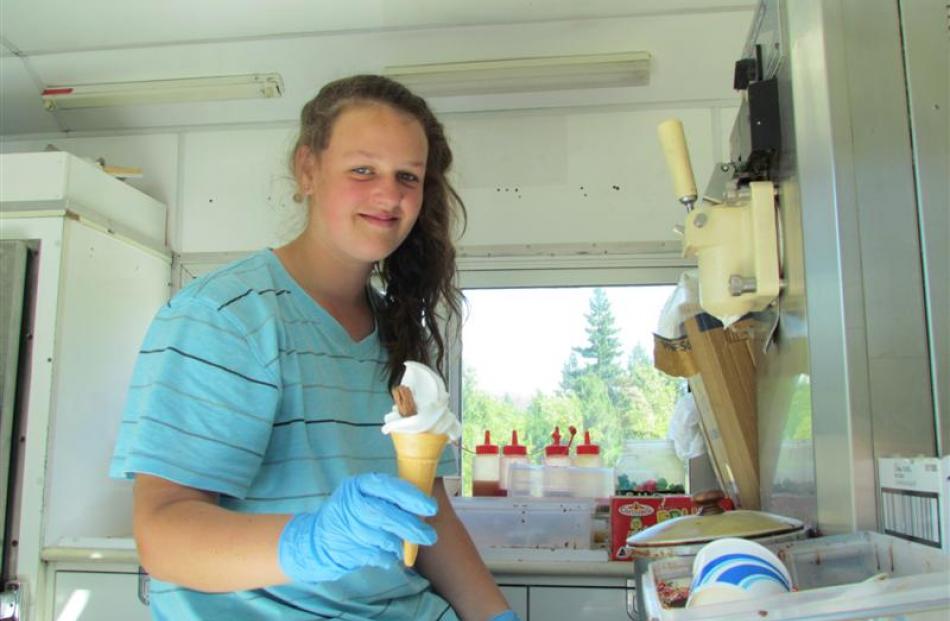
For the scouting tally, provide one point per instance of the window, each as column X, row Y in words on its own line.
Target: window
column 533, row 358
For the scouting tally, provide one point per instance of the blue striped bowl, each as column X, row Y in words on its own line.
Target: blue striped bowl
column 731, row 568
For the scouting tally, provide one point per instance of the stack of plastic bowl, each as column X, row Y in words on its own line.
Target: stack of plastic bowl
column 732, row 569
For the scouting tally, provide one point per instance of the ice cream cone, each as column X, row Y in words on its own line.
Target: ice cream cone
column 417, row 457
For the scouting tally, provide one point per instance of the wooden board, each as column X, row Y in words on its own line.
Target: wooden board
column 726, row 399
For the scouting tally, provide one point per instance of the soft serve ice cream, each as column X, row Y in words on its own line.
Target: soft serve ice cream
column 431, row 403
column 420, row 424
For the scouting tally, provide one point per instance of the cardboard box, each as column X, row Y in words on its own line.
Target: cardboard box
column 631, row 514
column 915, row 499
column 674, row 356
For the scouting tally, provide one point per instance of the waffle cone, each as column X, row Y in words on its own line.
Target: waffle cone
column 417, row 457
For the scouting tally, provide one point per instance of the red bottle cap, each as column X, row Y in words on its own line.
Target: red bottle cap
column 514, row 448
column 487, row 448
column 556, row 448
column 587, row 448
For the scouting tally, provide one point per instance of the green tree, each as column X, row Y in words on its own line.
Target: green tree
column 594, row 376
column 601, row 354
column 570, row 371
column 599, row 415
column 602, row 351
column 484, row 411
column 652, row 396
column 597, row 393
column 544, row 413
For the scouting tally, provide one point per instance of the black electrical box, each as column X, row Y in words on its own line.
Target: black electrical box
column 756, row 138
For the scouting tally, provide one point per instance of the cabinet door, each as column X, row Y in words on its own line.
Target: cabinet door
column 108, row 294
column 95, row 596
column 517, row 597
column 578, row 604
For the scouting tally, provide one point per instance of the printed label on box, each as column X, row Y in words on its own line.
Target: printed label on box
column 913, row 498
column 631, row 514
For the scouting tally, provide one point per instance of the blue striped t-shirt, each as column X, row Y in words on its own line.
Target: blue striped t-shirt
column 246, row 387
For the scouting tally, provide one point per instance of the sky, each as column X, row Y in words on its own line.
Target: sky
column 517, row 340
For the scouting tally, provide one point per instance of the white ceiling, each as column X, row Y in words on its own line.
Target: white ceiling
column 57, row 42
column 35, row 27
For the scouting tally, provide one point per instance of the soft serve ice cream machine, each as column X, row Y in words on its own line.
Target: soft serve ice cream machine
column 734, row 232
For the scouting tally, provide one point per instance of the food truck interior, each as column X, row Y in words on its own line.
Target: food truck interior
column 711, row 234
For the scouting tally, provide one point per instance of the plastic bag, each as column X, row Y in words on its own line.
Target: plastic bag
column 682, row 304
column 688, row 441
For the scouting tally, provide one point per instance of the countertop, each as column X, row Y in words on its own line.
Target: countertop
column 544, row 562
column 538, row 562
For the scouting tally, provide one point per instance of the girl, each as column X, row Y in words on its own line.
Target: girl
column 263, row 486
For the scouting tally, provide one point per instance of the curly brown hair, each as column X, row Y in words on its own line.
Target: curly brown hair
column 419, row 276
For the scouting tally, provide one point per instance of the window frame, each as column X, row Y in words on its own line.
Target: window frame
column 562, row 265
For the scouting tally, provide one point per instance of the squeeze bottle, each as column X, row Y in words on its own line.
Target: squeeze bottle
column 513, row 453
column 557, row 459
column 587, row 455
column 486, row 469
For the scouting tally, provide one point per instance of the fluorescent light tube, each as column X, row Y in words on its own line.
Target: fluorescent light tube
column 257, row 85
column 513, row 75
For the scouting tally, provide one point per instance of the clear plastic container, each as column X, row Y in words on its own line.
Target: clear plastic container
column 527, row 522
column 513, row 453
column 650, row 466
column 557, row 479
column 589, row 482
column 565, row 481
column 855, row 576
column 486, row 469
column 525, row 480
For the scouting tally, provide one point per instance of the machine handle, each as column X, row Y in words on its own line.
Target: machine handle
column 673, row 141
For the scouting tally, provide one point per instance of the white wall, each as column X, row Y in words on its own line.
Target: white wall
column 567, row 167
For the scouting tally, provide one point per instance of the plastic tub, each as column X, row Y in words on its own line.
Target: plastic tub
column 589, row 482
column 855, row 576
column 650, row 460
column 527, row 522
column 559, row 481
column 525, row 480
column 556, row 478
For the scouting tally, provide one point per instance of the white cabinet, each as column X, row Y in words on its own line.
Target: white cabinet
column 97, row 274
column 98, row 596
column 568, row 594
column 517, row 597
column 577, row 604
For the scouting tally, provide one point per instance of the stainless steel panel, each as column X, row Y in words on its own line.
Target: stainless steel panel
column 926, row 37
column 840, row 391
column 786, row 444
column 895, row 321
column 869, row 362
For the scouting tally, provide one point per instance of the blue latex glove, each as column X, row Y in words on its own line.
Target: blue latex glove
column 362, row 523
column 508, row 615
